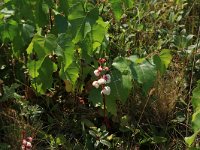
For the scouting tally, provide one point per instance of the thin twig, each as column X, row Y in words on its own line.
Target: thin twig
column 143, row 110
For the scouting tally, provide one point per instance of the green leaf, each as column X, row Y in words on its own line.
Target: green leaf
column 50, row 42
column 122, row 64
column 196, row 120
column 27, row 32
column 117, row 8
column 83, row 24
column 99, row 31
column 92, row 133
column 162, row 60
column 165, row 57
column 95, row 97
column 61, row 23
column 93, row 39
column 42, row 16
column 76, row 11
column 196, row 97
column 190, row 140
column 104, row 142
column 86, row 48
column 24, row 9
column 38, row 46
column 34, row 66
column 9, row 93
column 121, row 86
column 69, row 69
column 44, row 80
column 29, row 49
column 70, row 73
column 87, row 29
column 8, row 30
column 22, row 38
column 129, row 3
column 66, row 51
column 159, row 64
column 111, row 105
column 144, row 73
column 189, row 37
column 42, row 68
column 43, row 46
column 64, row 6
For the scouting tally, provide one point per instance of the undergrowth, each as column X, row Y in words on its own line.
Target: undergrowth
column 152, row 53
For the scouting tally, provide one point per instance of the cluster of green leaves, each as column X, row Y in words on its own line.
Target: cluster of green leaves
column 67, row 30
column 59, row 35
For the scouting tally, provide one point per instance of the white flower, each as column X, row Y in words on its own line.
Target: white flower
column 106, row 90
column 95, row 84
column 28, row 145
column 97, row 72
column 107, row 77
column 101, row 81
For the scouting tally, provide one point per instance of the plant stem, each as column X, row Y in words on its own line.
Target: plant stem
column 104, row 111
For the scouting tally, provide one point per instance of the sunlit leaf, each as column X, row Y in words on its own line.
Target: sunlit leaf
column 166, row 57
column 107, row 143
column 68, row 86
column 117, row 8
column 191, row 139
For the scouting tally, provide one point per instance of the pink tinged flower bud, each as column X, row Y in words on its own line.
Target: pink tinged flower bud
column 106, row 90
column 107, row 77
column 29, row 139
column 97, row 72
column 28, row 145
column 101, row 81
column 100, row 68
column 95, row 84
column 24, row 142
column 102, row 60
column 106, row 68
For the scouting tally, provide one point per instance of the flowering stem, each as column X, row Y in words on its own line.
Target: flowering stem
column 104, row 111
column 104, row 105
column 23, row 136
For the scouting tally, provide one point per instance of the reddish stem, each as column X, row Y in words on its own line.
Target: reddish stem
column 23, row 134
column 106, row 121
column 23, row 137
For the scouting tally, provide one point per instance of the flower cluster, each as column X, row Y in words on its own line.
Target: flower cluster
column 26, row 143
column 103, row 78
